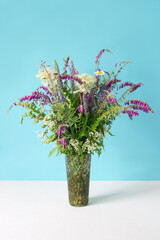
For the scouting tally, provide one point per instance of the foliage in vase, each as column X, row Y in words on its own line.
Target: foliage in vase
column 76, row 111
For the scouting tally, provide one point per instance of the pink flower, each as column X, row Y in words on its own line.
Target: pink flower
column 80, row 109
column 63, row 141
column 60, row 129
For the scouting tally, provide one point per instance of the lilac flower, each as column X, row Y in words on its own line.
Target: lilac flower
column 62, row 141
column 80, row 109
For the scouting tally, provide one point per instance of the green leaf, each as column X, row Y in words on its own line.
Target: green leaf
column 50, row 139
column 111, row 134
column 52, row 151
column 24, row 115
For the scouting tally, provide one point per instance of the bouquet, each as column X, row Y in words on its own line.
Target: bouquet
column 77, row 110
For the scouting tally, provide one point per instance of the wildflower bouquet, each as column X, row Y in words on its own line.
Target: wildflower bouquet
column 76, row 111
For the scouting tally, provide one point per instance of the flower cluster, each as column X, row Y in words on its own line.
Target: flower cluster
column 75, row 144
column 87, row 82
column 92, row 142
column 77, row 110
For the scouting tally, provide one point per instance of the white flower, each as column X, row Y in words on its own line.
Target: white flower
column 51, row 125
column 99, row 73
column 90, row 147
column 46, row 75
column 87, row 79
column 45, row 83
column 74, row 143
column 48, row 121
column 41, row 134
column 80, row 90
column 87, row 82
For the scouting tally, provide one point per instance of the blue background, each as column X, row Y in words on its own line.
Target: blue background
column 33, row 30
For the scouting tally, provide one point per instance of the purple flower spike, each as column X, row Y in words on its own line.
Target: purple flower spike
column 70, row 77
column 100, row 54
column 80, row 109
column 74, row 71
column 37, row 96
column 111, row 83
column 66, row 65
column 62, row 141
column 60, row 129
column 125, row 84
column 144, row 109
column 131, row 112
column 138, row 104
column 135, row 86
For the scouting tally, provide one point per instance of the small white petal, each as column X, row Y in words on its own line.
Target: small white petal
column 99, row 73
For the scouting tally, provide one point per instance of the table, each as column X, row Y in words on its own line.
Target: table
column 117, row 210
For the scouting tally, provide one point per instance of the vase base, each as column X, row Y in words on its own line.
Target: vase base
column 83, row 205
column 78, row 203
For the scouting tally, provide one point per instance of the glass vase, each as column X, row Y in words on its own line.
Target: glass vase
column 78, row 175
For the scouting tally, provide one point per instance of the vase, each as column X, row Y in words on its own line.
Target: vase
column 78, row 177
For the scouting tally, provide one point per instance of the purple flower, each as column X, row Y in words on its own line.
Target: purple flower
column 46, row 90
column 138, row 107
column 36, row 96
column 124, row 85
column 80, row 109
column 100, row 54
column 60, row 129
column 108, row 85
column 74, row 71
column 70, row 77
column 66, row 65
column 135, row 86
column 62, row 141
column 138, row 104
column 112, row 82
column 131, row 112
column 112, row 100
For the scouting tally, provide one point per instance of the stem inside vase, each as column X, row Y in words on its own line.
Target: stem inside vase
column 78, row 175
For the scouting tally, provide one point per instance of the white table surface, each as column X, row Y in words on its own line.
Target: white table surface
column 118, row 210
